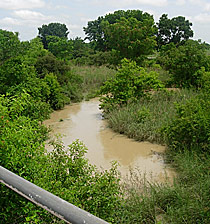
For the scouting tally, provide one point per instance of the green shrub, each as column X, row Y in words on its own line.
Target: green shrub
column 190, row 128
column 50, row 64
column 203, row 79
column 13, row 72
column 130, row 83
column 183, row 62
column 55, row 98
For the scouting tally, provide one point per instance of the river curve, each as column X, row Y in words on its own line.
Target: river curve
column 84, row 121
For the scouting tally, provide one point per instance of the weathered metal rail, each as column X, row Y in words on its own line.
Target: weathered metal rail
column 55, row 205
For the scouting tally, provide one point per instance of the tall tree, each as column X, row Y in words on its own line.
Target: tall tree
column 94, row 30
column 9, row 45
column 184, row 62
column 131, row 38
column 173, row 30
column 52, row 29
column 62, row 48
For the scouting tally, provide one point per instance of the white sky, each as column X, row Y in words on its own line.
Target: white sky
column 25, row 16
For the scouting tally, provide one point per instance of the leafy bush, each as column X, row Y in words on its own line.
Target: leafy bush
column 184, row 61
column 9, row 45
column 130, row 83
column 55, row 98
column 50, row 64
column 13, row 72
column 190, row 129
column 203, row 79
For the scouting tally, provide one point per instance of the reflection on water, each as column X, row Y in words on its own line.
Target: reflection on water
column 84, row 121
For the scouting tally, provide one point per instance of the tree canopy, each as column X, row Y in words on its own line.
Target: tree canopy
column 130, row 38
column 9, row 45
column 184, row 62
column 52, row 29
column 95, row 32
column 173, row 30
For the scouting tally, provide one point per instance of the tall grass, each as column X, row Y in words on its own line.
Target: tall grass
column 144, row 120
column 93, row 78
column 186, row 201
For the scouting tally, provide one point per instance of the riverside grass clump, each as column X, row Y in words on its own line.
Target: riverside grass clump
column 143, row 120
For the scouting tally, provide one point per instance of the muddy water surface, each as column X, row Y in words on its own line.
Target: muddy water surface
column 84, row 121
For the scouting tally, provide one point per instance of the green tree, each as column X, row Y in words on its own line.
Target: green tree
column 80, row 48
column 190, row 129
column 52, row 29
column 33, row 50
column 173, row 30
column 94, row 30
column 13, row 72
column 130, row 83
column 130, row 38
column 9, row 45
column 60, row 47
column 184, row 62
column 50, row 64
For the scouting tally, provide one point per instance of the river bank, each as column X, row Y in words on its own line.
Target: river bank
column 84, row 121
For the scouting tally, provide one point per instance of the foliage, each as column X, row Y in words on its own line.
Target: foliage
column 190, row 128
column 55, row 97
column 203, row 79
column 130, row 38
column 50, row 64
column 9, row 45
column 175, row 30
column 95, row 32
column 33, row 49
column 52, row 29
column 144, row 119
column 60, row 47
column 13, row 72
column 183, row 62
column 130, row 83
column 80, row 48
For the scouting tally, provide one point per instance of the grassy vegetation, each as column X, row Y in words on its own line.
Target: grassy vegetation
column 186, row 201
column 93, row 77
column 143, row 120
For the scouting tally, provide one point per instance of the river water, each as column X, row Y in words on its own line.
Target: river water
column 84, row 121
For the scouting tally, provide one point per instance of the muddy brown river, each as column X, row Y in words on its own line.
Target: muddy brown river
column 84, row 121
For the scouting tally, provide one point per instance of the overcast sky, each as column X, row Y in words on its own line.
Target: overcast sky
column 25, row 16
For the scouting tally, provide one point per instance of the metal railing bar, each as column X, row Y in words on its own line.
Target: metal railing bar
column 55, row 205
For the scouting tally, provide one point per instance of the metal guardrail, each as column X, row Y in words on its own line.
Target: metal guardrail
column 55, row 205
